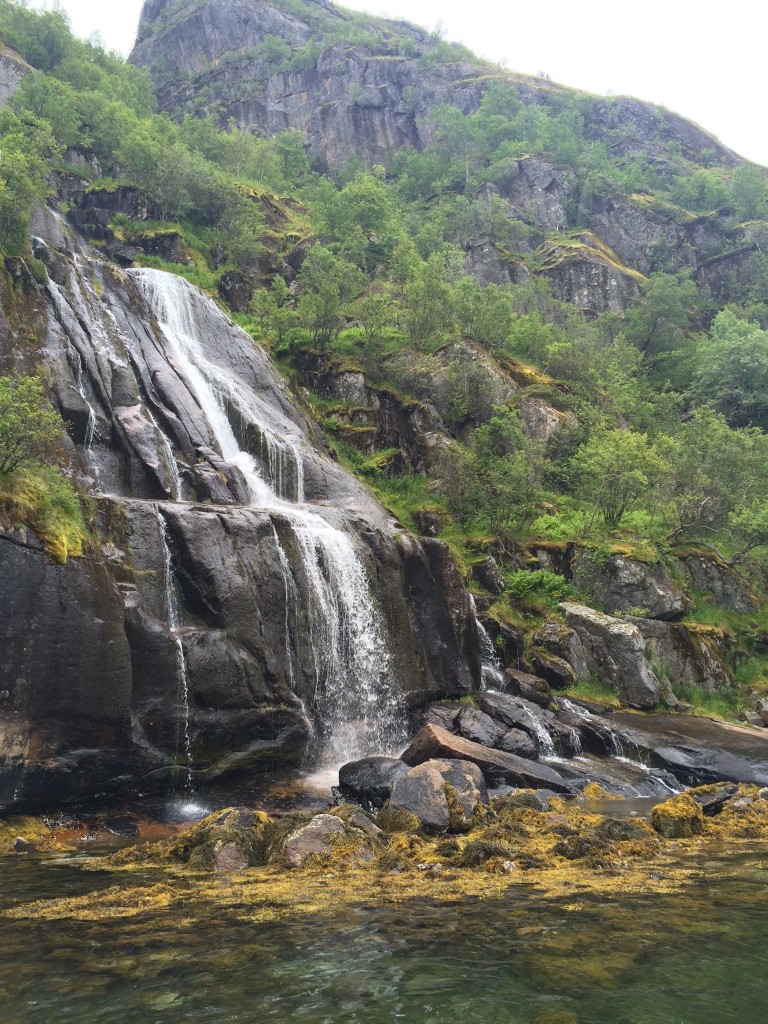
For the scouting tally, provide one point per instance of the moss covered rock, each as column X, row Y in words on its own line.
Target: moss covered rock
column 679, row 818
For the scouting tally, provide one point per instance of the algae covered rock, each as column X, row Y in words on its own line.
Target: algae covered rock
column 679, row 818
column 443, row 794
column 327, row 837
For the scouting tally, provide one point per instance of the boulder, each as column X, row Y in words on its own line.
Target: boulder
column 421, row 792
column 529, row 687
column 679, row 818
column 488, row 575
column 496, row 765
column 444, row 794
column 477, row 726
column 553, row 670
column 369, row 781
column 517, row 741
column 615, row 654
column 624, row 585
column 562, row 641
column 318, row 839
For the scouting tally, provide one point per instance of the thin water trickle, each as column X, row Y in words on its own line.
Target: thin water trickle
column 174, row 624
column 356, row 699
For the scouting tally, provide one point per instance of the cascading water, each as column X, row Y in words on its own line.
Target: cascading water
column 174, row 625
column 491, row 667
column 358, row 704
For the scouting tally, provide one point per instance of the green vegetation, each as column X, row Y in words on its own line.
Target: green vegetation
column 33, row 492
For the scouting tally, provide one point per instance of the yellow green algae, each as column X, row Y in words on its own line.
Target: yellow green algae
column 562, row 852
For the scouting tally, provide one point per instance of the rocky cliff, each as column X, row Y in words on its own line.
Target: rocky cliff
column 243, row 595
column 360, row 88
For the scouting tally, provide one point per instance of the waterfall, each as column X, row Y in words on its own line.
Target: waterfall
column 174, row 624
column 358, row 704
column 492, row 671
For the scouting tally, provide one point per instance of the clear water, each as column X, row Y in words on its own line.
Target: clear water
column 698, row 957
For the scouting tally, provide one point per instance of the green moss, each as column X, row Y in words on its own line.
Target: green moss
column 41, row 498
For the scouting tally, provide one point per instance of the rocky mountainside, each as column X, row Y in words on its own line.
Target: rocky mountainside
column 380, row 376
column 362, row 89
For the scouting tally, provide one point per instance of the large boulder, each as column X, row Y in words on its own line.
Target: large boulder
column 496, row 765
column 369, row 781
column 442, row 793
column 625, row 585
column 615, row 653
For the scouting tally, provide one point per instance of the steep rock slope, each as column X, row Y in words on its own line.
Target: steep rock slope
column 244, row 592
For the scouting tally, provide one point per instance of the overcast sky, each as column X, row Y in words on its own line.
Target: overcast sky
column 700, row 59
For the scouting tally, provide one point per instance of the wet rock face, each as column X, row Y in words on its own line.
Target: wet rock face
column 65, row 681
column 189, row 643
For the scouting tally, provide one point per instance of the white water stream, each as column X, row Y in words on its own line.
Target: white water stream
column 356, row 699
column 174, row 624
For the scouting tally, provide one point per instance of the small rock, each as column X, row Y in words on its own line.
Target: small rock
column 22, row 846
column 364, row 823
column 763, row 793
column 313, row 839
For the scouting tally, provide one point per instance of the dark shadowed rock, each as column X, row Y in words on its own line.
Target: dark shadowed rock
column 477, row 726
column 553, row 670
column 496, row 765
column 519, row 742
column 369, row 781
column 488, row 575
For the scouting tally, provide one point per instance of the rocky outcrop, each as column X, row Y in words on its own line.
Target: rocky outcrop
column 711, row 574
column 366, row 102
column 623, row 585
column 615, row 653
column 687, row 654
column 13, row 68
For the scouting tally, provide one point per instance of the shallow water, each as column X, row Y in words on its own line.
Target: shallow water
column 698, row 957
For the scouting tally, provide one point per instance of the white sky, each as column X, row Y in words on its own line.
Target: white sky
column 700, row 59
